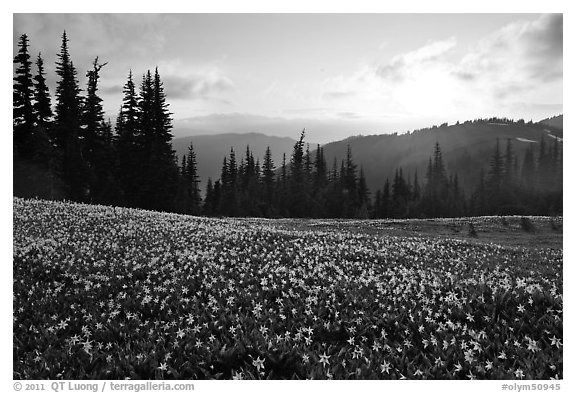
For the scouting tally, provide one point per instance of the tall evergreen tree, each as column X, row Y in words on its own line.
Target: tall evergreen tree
column 68, row 108
column 192, row 182
column 479, row 198
column 297, row 200
column 67, row 126
column 268, row 180
column 400, row 195
column 510, row 175
column 320, row 170
column 96, row 151
column 209, row 205
column 42, row 105
column 416, row 187
column 363, row 196
column 282, row 189
column 229, row 200
column 129, row 150
column 23, row 94
column 528, row 170
column 435, row 197
column 158, row 183
column 495, row 182
column 385, row 202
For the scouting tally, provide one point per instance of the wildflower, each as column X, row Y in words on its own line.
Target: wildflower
column 163, row 367
column 324, row 359
column 519, row 373
column 385, row 367
column 87, row 345
column 258, row 363
column 532, row 345
column 555, row 342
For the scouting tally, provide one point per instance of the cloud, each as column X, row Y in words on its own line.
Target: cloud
column 201, row 85
column 348, row 115
column 520, row 55
column 112, row 89
column 522, row 61
column 402, row 66
column 307, row 111
column 338, row 94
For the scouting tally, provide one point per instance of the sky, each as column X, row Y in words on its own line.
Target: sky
column 336, row 75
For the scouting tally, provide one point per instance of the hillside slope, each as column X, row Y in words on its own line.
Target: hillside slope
column 466, row 149
column 556, row 122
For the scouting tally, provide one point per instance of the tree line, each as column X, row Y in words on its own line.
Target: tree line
column 73, row 153
column 69, row 151
column 304, row 186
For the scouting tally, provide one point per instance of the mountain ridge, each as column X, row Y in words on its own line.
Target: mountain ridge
column 466, row 149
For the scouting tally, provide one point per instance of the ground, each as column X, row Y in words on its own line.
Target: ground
column 113, row 293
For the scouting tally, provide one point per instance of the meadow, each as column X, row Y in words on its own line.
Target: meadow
column 113, row 293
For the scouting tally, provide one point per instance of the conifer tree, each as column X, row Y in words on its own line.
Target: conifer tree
column 229, row 201
column 42, row 105
column 297, row 196
column 68, row 108
column 67, row 126
column 129, row 149
column 400, row 195
column 509, row 164
column 320, row 173
column 158, row 183
column 435, row 197
column 528, row 170
column 208, row 208
column 479, row 198
column 363, row 196
column 416, row 187
column 192, row 182
column 96, row 151
column 282, row 189
column 496, row 176
column 268, row 177
column 385, row 201
column 23, row 94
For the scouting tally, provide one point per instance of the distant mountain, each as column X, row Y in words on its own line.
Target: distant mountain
column 556, row 122
column 466, row 149
column 211, row 150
